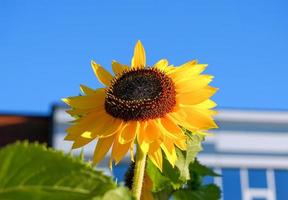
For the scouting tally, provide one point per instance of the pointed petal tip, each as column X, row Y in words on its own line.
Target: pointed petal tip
column 67, row 138
column 102, row 74
column 65, row 100
column 139, row 56
column 216, row 89
column 94, row 65
column 195, row 62
column 93, row 62
column 139, row 45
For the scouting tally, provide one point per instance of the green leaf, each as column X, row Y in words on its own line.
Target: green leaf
column 197, row 173
column 120, row 193
column 185, row 158
column 160, row 181
column 177, row 176
column 201, row 170
column 207, row 192
column 171, row 178
column 185, row 180
column 31, row 171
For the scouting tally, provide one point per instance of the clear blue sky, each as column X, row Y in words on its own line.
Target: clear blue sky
column 46, row 46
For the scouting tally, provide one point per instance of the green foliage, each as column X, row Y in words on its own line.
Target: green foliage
column 167, row 180
column 120, row 193
column 208, row 192
column 194, row 188
column 33, row 172
column 177, row 176
column 201, row 170
column 185, row 158
column 184, row 181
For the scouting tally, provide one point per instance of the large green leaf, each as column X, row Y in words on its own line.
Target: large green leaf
column 33, row 172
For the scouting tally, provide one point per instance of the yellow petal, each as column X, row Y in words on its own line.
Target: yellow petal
column 152, row 132
column 141, row 136
column 109, row 128
column 201, row 108
column 132, row 151
column 91, row 101
column 193, row 84
column 102, row 147
column 144, row 146
column 171, row 129
column 83, row 124
column 77, row 111
column 103, row 75
column 94, row 125
column 81, row 141
column 128, row 132
column 208, row 104
column 86, row 135
column 161, row 64
column 169, row 68
column 184, row 67
column 156, row 158
column 139, row 57
column 193, row 118
column 188, row 69
column 199, row 119
column 169, row 150
column 181, row 144
column 117, row 67
column 196, row 97
column 119, row 150
column 154, row 146
column 179, row 118
column 86, row 90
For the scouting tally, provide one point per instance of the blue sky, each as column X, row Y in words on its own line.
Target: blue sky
column 46, row 46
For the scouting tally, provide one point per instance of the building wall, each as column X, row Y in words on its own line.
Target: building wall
column 24, row 127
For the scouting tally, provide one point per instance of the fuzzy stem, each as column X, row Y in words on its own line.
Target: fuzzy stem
column 138, row 173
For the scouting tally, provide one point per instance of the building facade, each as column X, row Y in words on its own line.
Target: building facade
column 33, row 128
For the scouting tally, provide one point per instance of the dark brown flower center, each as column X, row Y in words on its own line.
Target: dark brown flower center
column 140, row 94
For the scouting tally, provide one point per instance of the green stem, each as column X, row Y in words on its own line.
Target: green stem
column 138, row 173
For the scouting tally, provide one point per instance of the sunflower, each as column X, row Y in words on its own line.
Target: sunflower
column 147, row 106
